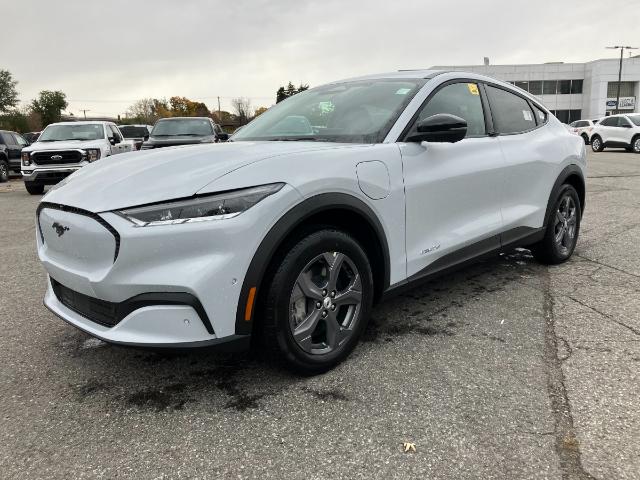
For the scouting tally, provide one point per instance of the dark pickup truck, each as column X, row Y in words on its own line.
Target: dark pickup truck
column 170, row 132
column 11, row 145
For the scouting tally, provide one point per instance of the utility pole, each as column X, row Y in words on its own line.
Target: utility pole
column 219, row 116
column 85, row 112
column 622, row 49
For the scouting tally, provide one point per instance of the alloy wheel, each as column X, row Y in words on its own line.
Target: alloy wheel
column 595, row 144
column 636, row 145
column 566, row 225
column 325, row 303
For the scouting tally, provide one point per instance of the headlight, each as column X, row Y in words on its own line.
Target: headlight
column 93, row 154
column 26, row 159
column 209, row 207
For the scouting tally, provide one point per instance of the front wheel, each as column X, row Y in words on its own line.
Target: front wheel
column 596, row 144
column 34, row 188
column 562, row 229
column 318, row 302
column 4, row 171
column 635, row 144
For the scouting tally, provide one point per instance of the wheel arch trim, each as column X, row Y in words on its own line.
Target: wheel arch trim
column 286, row 225
column 572, row 170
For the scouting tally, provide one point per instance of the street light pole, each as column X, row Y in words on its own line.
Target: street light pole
column 622, row 49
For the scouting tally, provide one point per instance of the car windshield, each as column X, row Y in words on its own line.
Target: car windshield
column 83, row 131
column 182, row 127
column 635, row 119
column 354, row 112
column 132, row 131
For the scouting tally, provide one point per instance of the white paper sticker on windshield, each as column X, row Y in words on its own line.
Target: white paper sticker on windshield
column 527, row 115
column 403, row 91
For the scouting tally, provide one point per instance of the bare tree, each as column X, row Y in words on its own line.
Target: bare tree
column 242, row 109
column 144, row 110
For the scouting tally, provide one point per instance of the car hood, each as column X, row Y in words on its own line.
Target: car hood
column 64, row 145
column 178, row 140
column 142, row 177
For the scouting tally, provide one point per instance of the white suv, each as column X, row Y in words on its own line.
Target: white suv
column 583, row 128
column 291, row 231
column 617, row 131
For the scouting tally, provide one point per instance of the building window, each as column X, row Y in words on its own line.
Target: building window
column 567, row 116
column 626, row 89
column 564, row 87
column 535, row 87
column 549, row 87
column 523, row 85
column 576, row 86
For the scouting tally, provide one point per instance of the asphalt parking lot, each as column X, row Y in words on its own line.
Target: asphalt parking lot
column 507, row 369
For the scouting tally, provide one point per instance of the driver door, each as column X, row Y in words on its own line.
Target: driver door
column 452, row 190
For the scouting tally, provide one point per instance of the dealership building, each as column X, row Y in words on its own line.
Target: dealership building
column 572, row 90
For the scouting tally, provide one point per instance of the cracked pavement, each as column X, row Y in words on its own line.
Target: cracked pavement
column 506, row 369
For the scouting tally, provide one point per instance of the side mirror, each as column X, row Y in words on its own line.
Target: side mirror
column 224, row 136
column 441, row 127
column 146, row 137
column 112, row 140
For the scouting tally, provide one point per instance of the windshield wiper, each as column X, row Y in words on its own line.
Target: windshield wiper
column 65, row 139
column 294, row 139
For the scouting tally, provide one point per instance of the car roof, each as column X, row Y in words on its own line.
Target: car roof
column 399, row 74
column 185, row 118
column 84, row 122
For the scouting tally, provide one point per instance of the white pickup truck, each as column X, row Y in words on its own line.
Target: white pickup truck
column 65, row 147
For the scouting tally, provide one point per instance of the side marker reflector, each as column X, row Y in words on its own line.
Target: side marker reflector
column 249, row 308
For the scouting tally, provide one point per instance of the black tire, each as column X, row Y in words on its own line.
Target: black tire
column 278, row 322
column 597, row 145
column 585, row 138
column 635, row 144
column 4, row 171
column 548, row 250
column 34, row 188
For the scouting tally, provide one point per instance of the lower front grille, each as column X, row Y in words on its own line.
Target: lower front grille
column 99, row 311
column 110, row 314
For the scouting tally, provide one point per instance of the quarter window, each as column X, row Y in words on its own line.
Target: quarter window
column 459, row 99
column 511, row 113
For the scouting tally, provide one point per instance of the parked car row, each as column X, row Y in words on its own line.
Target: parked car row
column 64, row 147
column 615, row 131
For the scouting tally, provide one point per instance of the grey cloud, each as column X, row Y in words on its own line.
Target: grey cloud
column 106, row 54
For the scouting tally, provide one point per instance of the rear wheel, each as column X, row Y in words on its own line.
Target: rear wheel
column 34, row 188
column 596, row 144
column 562, row 229
column 318, row 302
column 4, row 171
column 585, row 138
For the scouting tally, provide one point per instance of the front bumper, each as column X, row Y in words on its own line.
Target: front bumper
column 157, row 326
column 48, row 175
column 107, row 258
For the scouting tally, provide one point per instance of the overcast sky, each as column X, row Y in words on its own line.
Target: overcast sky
column 106, row 54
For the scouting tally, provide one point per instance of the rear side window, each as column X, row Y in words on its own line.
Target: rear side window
column 511, row 113
column 609, row 122
column 461, row 100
